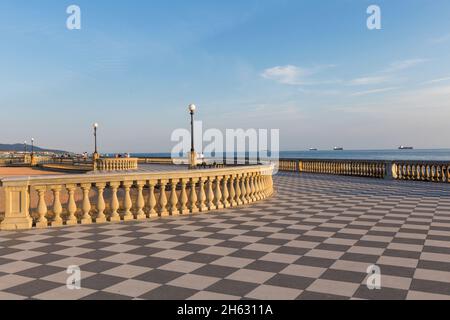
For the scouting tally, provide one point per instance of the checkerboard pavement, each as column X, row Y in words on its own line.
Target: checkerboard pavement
column 314, row 239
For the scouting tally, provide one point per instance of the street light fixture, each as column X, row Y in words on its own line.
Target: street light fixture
column 193, row 155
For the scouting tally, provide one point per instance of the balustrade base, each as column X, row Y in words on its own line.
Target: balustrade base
column 42, row 225
column 13, row 224
column 114, row 219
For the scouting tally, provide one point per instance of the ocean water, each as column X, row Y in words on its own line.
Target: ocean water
column 425, row 154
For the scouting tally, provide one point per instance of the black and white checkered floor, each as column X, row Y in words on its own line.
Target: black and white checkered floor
column 314, row 240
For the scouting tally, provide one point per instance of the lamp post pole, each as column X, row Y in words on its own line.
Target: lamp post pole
column 25, row 147
column 32, row 146
column 193, row 155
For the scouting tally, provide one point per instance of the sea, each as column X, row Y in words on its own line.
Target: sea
column 419, row 154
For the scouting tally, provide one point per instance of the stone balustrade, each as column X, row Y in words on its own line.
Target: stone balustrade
column 360, row 168
column 99, row 198
column 116, row 164
column 432, row 171
column 421, row 171
column 155, row 160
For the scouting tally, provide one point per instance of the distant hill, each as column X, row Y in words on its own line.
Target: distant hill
column 20, row 147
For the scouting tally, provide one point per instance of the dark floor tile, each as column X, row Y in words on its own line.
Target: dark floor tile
column 100, row 281
column 40, row 271
column 289, row 281
column 383, row 294
column 169, row 293
column 101, row 295
column 431, row 287
column 201, row 258
column 267, row 266
column 231, row 287
column 159, row 276
column 215, row 271
column 33, row 288
column 346, row 276
column 99, row 266
column 315, row 262
column 248, row 254
column 151, row 262
column 308, row 295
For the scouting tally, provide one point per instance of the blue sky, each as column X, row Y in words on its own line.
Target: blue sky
column 309, row 68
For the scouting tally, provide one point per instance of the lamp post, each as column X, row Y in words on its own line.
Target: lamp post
column 193, row 155
column 95, row 156
column 25, row 146
column 33, row 160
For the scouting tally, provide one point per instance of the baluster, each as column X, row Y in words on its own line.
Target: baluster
column 71, row 205
column 127, row 203
column 225, row 192
column 42, row 210
column 218, row 194
column 202, row 195
column 243, row 190
column 232, row 192
column 101, row 206
column 210, row 194
column 57, row 207
column 193, row 196
column 258, row 186
column 140, row 202
column 151, row 199
column 238, row 190
column 248, row 188
column 253, row 187
column 162, row 199
column 183, row 198
column 173, row 202
column 114, row 217
column 86, row 219
column 263, row 186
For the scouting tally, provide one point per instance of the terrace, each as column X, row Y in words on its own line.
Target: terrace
column 314, row 239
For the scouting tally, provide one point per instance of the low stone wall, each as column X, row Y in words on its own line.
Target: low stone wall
column 98, row 198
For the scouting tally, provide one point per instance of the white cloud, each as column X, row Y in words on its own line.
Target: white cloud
column 436, row 80
column 369, row 80
column 380, row 90
column 294, row 75
column 404, row 64
column 286, row 74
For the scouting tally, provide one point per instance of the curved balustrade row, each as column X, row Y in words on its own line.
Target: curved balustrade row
column 123, row 198
column 116, row 164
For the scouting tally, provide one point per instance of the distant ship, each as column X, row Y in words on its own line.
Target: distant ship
column 405, row 148
column 312, row 149
column 338, row 149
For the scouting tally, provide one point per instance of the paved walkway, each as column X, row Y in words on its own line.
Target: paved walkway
column 314, row 240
